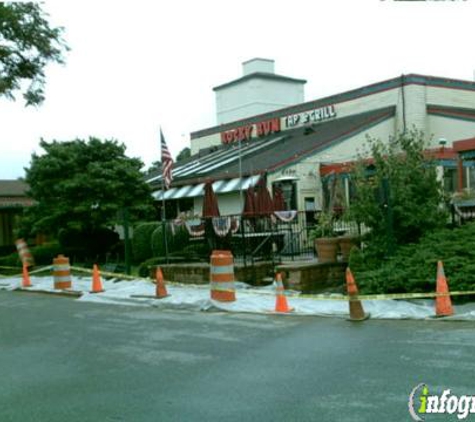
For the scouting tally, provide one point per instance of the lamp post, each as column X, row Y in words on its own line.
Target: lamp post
column 127, row 241
column 125, row 223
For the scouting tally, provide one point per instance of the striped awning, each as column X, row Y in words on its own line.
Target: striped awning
column 220, row 186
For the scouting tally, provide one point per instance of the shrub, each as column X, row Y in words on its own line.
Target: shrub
column 7, row 250
column 82, row 244
column 414, row 267
column 142, row 241
column 176, row 241
column 12, row 260
column 44, row 254
column 398, row 197
column 148, row 241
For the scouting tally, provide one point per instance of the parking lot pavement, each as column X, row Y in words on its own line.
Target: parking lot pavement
column 63, row 360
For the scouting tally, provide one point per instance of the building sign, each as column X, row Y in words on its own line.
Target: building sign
column 312, row 116
column 245, row 133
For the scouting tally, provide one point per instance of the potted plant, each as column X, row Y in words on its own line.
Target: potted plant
column 326, row 242
column 349, row 238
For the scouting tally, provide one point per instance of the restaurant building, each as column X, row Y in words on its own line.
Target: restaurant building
column 13, row 200
column 295, row 146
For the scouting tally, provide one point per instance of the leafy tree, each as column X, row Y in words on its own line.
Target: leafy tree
column 83, row 185
column 398, row 197
column 183, row 154
column 155, row 167
column 27, row 45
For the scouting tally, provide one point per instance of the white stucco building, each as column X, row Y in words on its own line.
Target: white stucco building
column 290, row 145
column 259, row 90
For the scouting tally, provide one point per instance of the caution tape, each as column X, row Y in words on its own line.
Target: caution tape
column 334, row 296
column 9, row 268
column 389, row 296
column 109, row 274
column 37, row 271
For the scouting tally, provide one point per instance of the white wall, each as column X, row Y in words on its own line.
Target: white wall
column 256, row 96
column 451, row 97
column 228, row 203
column 450, row 129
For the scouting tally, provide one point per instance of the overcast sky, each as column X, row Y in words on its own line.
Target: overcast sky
column 136, row 66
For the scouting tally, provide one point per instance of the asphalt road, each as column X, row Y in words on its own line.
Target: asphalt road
column 62, row 360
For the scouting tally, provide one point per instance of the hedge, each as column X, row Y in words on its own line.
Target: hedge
column 142, row 241
column 414, row 267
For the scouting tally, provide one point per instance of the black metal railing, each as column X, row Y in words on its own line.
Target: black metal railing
column 286, row 236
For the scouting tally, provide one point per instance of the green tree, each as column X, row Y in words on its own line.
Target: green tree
column 27, row 45
column 183, row 154
column 83, row 185
column 155, row 167
column 398, row 196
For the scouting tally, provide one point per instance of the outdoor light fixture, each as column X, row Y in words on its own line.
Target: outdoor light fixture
column 442, row 142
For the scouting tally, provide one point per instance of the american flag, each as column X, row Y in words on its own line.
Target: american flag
column 167, row 162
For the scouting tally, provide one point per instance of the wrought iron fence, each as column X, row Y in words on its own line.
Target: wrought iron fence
column 277, row 237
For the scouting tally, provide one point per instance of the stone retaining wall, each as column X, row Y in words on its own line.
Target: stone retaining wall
column 198, row 273
column 307, row 277
column 314, row 277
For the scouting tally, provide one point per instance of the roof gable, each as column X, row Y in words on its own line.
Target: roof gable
column 272, row 152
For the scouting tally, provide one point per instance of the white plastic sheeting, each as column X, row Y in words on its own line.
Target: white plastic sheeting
column 249, row 299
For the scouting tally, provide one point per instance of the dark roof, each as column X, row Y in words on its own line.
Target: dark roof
column 13, row 188
column 342, row 97
column 273, row 152
column 13, row 194
column 260, row 75
column 452, row 112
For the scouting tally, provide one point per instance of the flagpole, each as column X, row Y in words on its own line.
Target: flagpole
column 164, row 225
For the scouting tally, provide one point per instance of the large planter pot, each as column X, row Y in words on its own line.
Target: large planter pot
column 327, row 249
column 346, row 243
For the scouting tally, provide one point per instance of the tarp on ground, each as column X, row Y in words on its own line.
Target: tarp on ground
column 249, row 299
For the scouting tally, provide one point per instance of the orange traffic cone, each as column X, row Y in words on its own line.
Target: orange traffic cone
column 357, row 312
column 443, row 304
column 161, row 290
column 96, row 281
column 281, row 304
column 26, row 282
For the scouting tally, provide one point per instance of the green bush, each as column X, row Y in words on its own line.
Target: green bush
column 142, row 241
column 44, row 254
column 148, row 242
column 398, row 196
column 144, row 267
column 7, row 250
column 414, row 267
column 87, row 244
column 12, row 260
column 176, row 242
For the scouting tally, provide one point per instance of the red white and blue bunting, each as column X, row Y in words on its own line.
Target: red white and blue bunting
column 286, row 216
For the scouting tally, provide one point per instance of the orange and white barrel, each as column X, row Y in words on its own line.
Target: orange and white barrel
column 61, row 272
column 25, row 255
column 222, row 276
